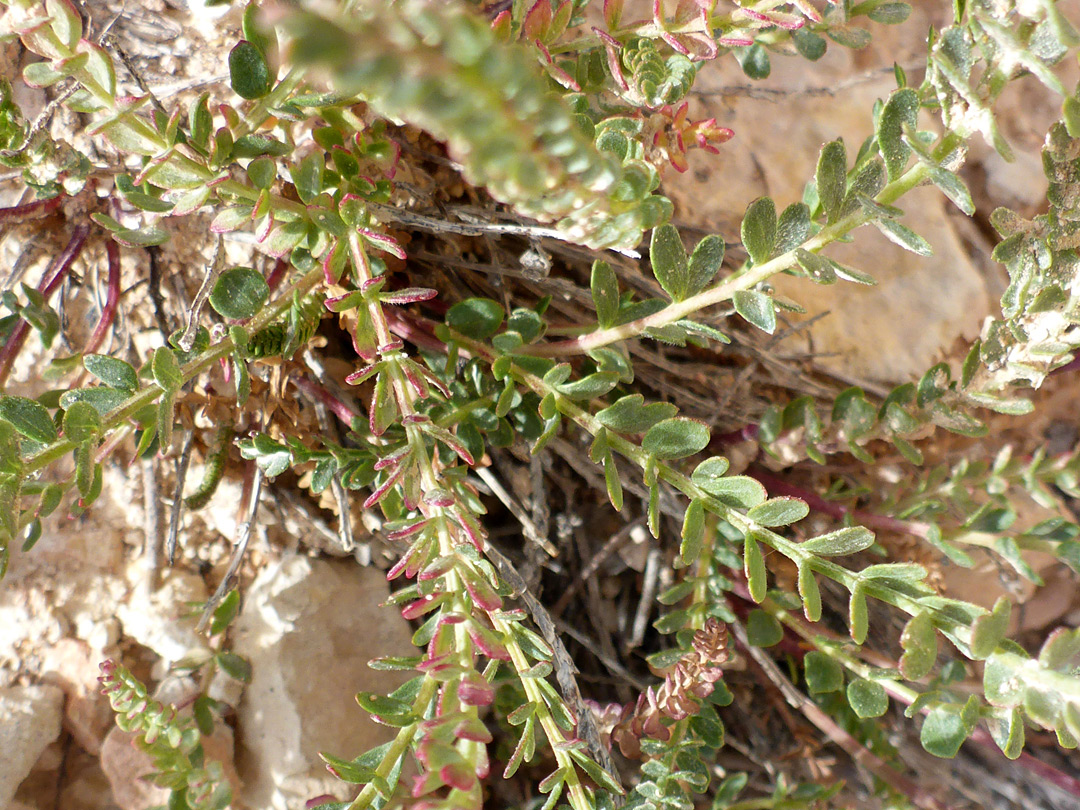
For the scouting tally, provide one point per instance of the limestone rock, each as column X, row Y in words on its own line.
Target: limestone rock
column 158, row 618
column 125, row 766
column 29, row 722
column 73, row 666
column 309, row 628
column 886, row 334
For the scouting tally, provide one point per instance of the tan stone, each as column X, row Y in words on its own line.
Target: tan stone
column 73, row 666
column 126, row 767
column 29, row 723
column 887, row 334
column 309, row 627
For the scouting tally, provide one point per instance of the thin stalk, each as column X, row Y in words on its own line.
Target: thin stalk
column 915, row 528
column 112, row 298
column 838, row 511
column 37, row 209
column 745, row 280
column 907, row 696
column 399, row 746
column 52, row 278
column 137, row 402
column 702, row 566
column 829, row 727
column 406, row 399
column 737, row 519
column 260, row 111
column 429, row 482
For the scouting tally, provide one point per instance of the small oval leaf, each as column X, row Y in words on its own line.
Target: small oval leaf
column 840, row 542
column 477, row 318
column 248, row 72
column 30, row 418
column 779, row 512
column 676, row 438
column 239, row 293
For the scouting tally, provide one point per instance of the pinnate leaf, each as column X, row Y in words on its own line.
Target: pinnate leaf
column 249, row 73
column 920, row 645
column 943, row 731
column 858, row 617
column 904, row 237
column 793, row 227
column 754, row 568
column 953, row 188
column 831, row 178
column 868, row 698
column 705, row 263
column 762, row 629
column 709, row 471
column 739, row 491
column 82, row 422
column 823, row 673
column 810, row 593
column 605, row 293
column 987, row 631
column 902, row 109
column 630, row 415
column 477, row 318
column 166, row 368
column 779, row 512
column 112, row 371
column 670, row 264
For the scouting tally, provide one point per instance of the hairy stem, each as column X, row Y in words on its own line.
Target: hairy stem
column 745, row 280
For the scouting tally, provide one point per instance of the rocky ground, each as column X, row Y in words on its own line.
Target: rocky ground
column 311, row 618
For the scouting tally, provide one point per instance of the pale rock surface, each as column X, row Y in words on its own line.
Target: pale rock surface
column 309, row 628
column 158, row 618
column 886, row 334
column 29, row 722
column 74, row 667
column 69, row 584
column 124, row 764
column 65, row 777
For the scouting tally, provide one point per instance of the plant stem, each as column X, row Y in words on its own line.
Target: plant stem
column 137, row 402
column 838, row 511
column 31, row 210
column 50, row 281
column 744, row 280
column 399, row 745
column 112, row 298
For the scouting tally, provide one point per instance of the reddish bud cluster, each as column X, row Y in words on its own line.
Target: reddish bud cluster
column 677, row 134
column 685, row 685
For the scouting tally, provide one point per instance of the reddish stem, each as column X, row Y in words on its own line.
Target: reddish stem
column 320, row 393
column 31, row 210
column 277, row 274
column 745, row 433
column 415, row 330
column 1070, row 784
column 52, row 278
column 112, row 298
